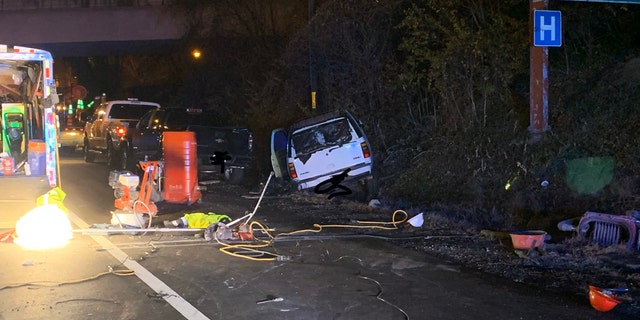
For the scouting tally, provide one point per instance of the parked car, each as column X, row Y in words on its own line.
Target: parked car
column 109, row 126
column 324, row 152
column 225, row 151
column 71, row 139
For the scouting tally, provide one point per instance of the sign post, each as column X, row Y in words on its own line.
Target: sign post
column 546, row 31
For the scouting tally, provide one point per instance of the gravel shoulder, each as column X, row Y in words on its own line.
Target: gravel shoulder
column 566, row 266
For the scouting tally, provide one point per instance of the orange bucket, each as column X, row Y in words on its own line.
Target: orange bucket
column 179, row 150
column 527, row 239
column 7, row 166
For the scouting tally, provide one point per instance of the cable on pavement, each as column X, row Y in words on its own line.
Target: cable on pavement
column 252, row 252
column 125, row 272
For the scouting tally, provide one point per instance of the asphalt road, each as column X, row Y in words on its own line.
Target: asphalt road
column 162, row 275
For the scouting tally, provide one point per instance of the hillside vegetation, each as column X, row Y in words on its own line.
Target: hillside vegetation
column 443, row 89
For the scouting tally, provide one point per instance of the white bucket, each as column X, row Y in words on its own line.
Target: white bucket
column 137, row 220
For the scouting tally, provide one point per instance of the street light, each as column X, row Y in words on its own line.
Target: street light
column 196, row 53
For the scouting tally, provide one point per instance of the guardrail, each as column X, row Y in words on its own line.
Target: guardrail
column 20, row 5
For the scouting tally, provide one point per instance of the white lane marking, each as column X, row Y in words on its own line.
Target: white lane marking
column 173, row 298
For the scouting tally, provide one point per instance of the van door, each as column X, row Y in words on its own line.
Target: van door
column 279, row 152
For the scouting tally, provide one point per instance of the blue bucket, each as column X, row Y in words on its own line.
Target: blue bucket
column 37, row 157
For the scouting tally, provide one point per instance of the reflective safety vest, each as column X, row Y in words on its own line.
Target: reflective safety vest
column 203, row 220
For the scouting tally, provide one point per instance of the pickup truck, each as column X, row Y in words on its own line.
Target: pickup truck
column 225, row 151
column 107, row 127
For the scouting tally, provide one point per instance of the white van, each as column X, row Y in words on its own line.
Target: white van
column 315, row 150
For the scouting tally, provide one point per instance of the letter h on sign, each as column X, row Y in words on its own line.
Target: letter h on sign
column 547, row 28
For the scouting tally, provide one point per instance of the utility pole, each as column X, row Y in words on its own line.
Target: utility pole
column 313, row 81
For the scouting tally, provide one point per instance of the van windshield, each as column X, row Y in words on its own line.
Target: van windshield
column 327, row 134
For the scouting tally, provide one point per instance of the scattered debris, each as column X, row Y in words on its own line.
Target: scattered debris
column 608, row 229
column 417, row 220
column 270, row 298
column 495, row 235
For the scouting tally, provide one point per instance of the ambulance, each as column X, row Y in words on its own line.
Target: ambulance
column 28, row 126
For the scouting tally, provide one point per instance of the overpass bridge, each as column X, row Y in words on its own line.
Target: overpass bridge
column 78, row 28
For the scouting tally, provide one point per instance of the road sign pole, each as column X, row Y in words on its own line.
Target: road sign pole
column 539, row 77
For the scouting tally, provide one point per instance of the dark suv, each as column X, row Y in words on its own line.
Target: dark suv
column 231, row 145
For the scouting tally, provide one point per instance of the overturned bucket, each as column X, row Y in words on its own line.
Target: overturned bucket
column 601, row 299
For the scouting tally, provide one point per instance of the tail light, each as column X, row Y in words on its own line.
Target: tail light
column 292, row 171
column 121, row 131
column 365, row 150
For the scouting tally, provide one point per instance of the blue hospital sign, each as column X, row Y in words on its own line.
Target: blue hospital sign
column 547, row 28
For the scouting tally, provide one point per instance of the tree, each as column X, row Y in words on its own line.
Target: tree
column 239, row 39
column 462, row 57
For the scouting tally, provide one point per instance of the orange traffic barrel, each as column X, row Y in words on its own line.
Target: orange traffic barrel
column 37, row 157
column 179, row 150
